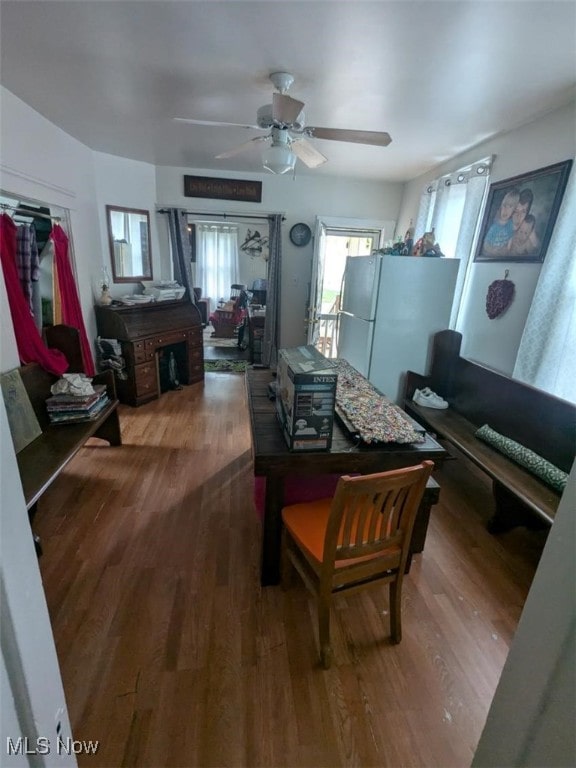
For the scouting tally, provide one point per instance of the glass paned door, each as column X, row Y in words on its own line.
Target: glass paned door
column 333, row 245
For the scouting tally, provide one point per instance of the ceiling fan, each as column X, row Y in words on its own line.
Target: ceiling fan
column 285, row 124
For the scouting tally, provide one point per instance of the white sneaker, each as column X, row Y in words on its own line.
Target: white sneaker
column 429, row 400
column 433, row 395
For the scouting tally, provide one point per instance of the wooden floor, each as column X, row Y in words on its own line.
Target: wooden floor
column 172, row 655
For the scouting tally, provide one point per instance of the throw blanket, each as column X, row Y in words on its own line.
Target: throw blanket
column 552, row 475
column 375, row 418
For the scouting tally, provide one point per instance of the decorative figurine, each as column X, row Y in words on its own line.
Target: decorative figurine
column 105, row 299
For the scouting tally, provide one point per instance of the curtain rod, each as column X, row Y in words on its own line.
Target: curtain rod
column 224, row 215
column 25, row 211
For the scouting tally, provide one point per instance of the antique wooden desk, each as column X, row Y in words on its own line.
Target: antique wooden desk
column 275, row 462
column 143, row 332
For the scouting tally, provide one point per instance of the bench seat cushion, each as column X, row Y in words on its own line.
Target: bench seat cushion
column 534, row 463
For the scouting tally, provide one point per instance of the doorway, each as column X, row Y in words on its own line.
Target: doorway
column 231, row 262
column 336, row 240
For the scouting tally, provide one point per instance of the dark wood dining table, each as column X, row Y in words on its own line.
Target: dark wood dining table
column 275, row 462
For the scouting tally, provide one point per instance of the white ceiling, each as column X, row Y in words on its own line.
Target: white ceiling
column 440, row 77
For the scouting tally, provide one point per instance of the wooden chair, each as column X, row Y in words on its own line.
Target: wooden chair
column 67, row 340
column 357, row 538
column 235, row 290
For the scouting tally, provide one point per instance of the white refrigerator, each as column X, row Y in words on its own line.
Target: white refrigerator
column 390, row 308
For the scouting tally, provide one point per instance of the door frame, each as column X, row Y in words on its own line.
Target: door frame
column 387, row 228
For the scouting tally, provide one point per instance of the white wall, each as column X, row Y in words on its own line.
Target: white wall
column 545, row 141
column 299, row 199
column 129, row 184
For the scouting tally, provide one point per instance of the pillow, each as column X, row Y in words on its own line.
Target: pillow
column 535, row 464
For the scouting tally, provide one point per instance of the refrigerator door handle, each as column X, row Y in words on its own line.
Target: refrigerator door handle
column 351, row 314
column 337, row 326
column 342, row 282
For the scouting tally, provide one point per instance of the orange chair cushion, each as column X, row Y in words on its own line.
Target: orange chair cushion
column 307, row 523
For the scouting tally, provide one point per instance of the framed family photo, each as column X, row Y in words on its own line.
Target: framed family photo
column 520, row 215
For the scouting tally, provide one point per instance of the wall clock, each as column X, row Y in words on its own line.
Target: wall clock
column 300, row 234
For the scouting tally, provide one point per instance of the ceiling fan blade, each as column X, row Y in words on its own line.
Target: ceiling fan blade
column 377, row 138
column 215, row 123
column 285, row 109
column 309, row 155
column 241, row 147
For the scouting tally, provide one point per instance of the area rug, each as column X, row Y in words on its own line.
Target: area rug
column 214, row 341
column 225, row 366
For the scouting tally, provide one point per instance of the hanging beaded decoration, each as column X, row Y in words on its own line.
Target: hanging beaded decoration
column 499, row 297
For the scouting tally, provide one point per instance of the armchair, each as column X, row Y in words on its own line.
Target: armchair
column 229, row 319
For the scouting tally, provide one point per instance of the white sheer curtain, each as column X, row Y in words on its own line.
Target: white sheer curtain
column 547, row 353
column 216, row 259
column 451, row 206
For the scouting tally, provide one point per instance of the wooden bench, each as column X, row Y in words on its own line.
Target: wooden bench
column 44, row 458
column 477, row 395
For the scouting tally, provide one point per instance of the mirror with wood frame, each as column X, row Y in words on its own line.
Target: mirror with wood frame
column 129, row 238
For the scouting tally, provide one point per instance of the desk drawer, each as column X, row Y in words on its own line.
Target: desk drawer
column 139, row 352
column 162, row 340
column 146, row 379
column 196, row 372
column 195, row 337
column 196, row 356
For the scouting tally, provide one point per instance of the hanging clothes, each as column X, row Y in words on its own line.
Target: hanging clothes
column 56, row 297
column 27, row 261
column 43, row 291
column 41, row 224
column 31, row 347
column 71, row 310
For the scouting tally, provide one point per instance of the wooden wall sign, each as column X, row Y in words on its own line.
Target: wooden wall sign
column 223, row 189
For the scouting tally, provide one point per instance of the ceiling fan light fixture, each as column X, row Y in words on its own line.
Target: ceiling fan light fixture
column 278, row 159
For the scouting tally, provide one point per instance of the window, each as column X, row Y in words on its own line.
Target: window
column 451, row 206
column 449, row 219
column 216, row 259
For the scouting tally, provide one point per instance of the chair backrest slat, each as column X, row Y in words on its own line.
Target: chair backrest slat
column 373, row 513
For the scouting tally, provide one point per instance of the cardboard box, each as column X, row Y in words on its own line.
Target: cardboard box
column 305, row 398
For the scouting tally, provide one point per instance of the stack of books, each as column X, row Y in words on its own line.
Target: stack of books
column 71, row 409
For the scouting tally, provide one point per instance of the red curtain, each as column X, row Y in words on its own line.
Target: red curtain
column 71, row 311
column 31, row 347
